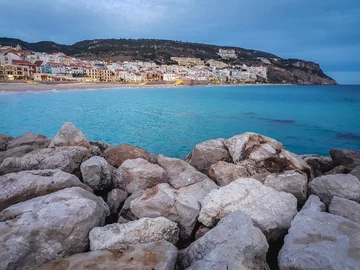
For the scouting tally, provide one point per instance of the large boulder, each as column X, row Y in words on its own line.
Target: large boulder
column 116, row 155
column 125, row 210
column 67, row 159
column 48, row 227
column 315, row 204
column 356, row 172
column 22, row 186
column 179, row 205
column 258, row 154
column 318, row 240
column 341, row 185
column 348, row 158
column 345, row 208
column 207, row 153
column 35, row 140
column 115, row 199
column 160, row 255
column 139, row 174
column 271, row 210
column 69, row 135
column 228, row 247
column 98, row 148
column 319, row 164
column 144, row 230
column 17, row 152
column 223, row 173
column 180, row 173
column 4, row 140
column 96, row 173
column 341, row 169
column 293, row 182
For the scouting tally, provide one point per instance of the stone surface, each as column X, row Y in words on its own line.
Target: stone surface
column 69, row 135
column 318, row 240
column 348, row 158
column 293, row 182
column 356, row 172
column 144, row 230
column 341, row 169
column 228, row 247
column 318, row 164
column 180, row 173
column 96, row 173
column 67, row 159
column 315, row 204
column 207, row 153
column 4, row 140
column 35, row 140
column 98, row 148
column 258, row 154
column 271, row 210
column 201, row 231
column 116, row 155
column 49, row 227
column 223, row 173
column 139, row 174
column 341, row 185
column 17, row 152
column 22, row 186
column 115, row 199
column 345, row 208
column 125, row 210
column 179, row 205
column 160, row 255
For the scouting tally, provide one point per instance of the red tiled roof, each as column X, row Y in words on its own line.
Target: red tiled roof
column 22, row 63
column 38, row 63
column 54, row 64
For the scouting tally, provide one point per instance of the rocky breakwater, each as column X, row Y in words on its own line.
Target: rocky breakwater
column 238, row 203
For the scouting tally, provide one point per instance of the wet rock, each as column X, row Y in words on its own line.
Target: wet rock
column 98, row 148
column 48, row 227
column 115, row 199
column 223, row 173
column 318, row 164
column 96, row 173
column 116, row 155
column 348, row 158
column 345, row 208
column 179, row 205
column 4, row 140
column 180, row 173
column 289, row 181
column 227, row 247
column 271, row 210
column 341, row 185
column 139, row 174
column 159, row 255
column 67, row 159
column 37, row 141
column 69, row 135
column 314, row 203
column 207, row 153
column 144, row 230
column 356, row 172
column 22, row 186
column 318, row 240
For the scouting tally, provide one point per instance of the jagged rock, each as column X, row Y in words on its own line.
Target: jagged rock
column 17, row 152
column 37, row 141
column 207, row 153
column 48, row 227
column 318, row 164
column 348, row 158
column 258, row 154
column 98, row 148
column 22, row 186
column 96, row 173
column 271, row 210
column 315, row 204
column 228, row 247
column 201, row 231
column 69, row 135
column 289, row 181
column 159, row 255
column 144, row 230
column 345, row 208
column 115, row 199
column 341, row 185
column 223, row 173
column 356, row 172
column 139, row 174
column 125, row 210
column 122, row 220
column 180, row 173
column 67, row 159
column 338, row 170
column 318, row 240
column 116, row 155
column 4, row 140
column 179, row 205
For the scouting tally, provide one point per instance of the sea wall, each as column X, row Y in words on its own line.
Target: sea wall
column 239, row 203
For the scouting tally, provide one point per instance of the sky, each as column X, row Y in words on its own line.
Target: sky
column 323, row 31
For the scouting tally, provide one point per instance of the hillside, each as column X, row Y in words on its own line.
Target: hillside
column 279, row 70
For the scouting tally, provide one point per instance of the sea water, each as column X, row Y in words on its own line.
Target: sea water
column 171, row 121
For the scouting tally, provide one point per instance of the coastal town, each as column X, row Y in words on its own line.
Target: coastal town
column 17, row 64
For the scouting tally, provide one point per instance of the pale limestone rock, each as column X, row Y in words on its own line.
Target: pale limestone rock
column 96, row 173
column 69, row 135
column 345, row 208
column 115, row 198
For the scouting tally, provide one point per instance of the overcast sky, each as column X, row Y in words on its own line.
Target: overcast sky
column 324, row 31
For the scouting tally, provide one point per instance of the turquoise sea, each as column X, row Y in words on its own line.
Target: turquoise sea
column 170, row 121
